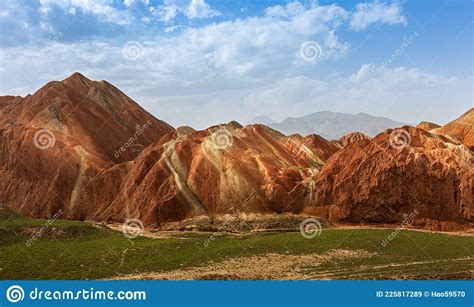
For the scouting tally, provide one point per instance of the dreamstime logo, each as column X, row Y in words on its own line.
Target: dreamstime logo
column 37, row 235
column 132, row 228
column 222, row 138
column 139, row 130
column 44, row 139
column 407, row 41
column 399, row 139
column 310, row 51
column 15, row 294
column 33, row 61
column 132, row 51
column 310, row 228
column 211, row 61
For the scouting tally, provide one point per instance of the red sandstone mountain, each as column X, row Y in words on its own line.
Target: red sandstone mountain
column 162, row 175
column 384, row 181
column 221, row 170
column 78, row 111
column 58, row 140
column 427, row 126
column 461, row 129
column 351, row 138
column 314, row 149
column 103, row 167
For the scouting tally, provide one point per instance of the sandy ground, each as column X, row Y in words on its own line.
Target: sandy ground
column 266, row 267
column 151, row 233
column 358, row 273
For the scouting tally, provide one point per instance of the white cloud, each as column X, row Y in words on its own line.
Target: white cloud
column 102, row 8
column 291, row 9
column 128, row 3
column 192, row 9
column 230, row 56
column 253, row 49
column 240, row 68
column 286, row 91
column 376, row 12
column 404, row 94
column 200, row 9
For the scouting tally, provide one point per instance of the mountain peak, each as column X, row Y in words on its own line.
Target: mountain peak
column 262, row 119
column 334, row 125
column 461, row 129
column 77, row 76
column 469, row 114
column 427, row 126
column 78, row 82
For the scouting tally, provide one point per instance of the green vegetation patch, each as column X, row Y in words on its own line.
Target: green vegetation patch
column 79, row 250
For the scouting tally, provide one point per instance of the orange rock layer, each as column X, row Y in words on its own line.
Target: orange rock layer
column 86, row 148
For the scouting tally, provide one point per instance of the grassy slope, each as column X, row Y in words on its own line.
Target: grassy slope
column 77, row 250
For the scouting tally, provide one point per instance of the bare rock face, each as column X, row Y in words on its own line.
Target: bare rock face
column 224, row 169
column 351, row 138
column 313, row 149
column 86, row 148
column 57, row 142
column 92, row 114
column 427, row 126
column 422, row 177
column 460, row 129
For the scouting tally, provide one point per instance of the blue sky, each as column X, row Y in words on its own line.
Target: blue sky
column 202, row 62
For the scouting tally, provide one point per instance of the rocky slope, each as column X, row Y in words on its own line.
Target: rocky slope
column 227, row 169
column 94, row 159
column 86, row 148
column 420, row 178
column 461, row 129
column 427, row 126
column 351, row 138
column 64, row 137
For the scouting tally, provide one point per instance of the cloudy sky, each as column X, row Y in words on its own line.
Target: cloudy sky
column 202, row 62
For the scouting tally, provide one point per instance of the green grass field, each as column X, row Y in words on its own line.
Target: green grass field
column 78, row 250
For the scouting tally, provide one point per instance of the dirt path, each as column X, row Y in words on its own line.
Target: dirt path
column 358, row 272
column 266, row 267
column 150, row 233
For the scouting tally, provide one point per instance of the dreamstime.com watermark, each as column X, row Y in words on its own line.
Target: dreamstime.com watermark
column 310, row 51
column 50, row 44
column 222, row 138
column 132, row 228
column 44, row 139
column 139, row 130
column 132, row 51
column 399, row 139
column 16, row 294
column 406, row 222
column 396, row 54
column 311, row 228
column 37, row 235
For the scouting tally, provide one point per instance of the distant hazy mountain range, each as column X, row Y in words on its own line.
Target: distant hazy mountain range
column 263, row 120
column 331, row 125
